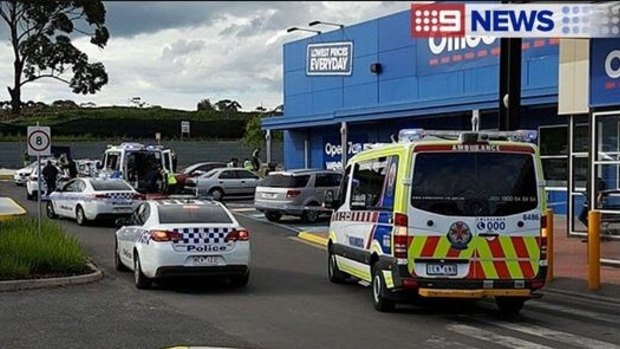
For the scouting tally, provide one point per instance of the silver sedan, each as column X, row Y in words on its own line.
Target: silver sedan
column 220, row 182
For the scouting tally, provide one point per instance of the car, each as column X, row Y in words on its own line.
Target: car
column 32, row 182
column 91, row 199
column 20, row 177
column 458, row 214
column 196, row 170
column 220, row 182
column 190, row 237
column 297, row 193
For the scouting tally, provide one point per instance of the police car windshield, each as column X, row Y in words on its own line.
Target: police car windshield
column 110, row 185
column 474, row 184
column 283, row 181
column 188, row 214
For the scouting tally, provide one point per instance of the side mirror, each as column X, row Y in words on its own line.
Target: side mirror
column 121, row 222
column 197, row 173
column 329, row 200
column 99, row 165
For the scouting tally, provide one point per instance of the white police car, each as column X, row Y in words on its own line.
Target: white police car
column 165, row 238
column 90, row 199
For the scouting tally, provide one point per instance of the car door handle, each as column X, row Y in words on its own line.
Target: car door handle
column 242, row 182
column 221, row 182
column 488, row 235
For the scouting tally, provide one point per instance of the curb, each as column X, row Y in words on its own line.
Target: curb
column 20, row 285
column 6, row 177
column 587, row 296
column 313, row 238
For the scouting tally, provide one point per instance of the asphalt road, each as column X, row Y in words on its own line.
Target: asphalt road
column 288, row 304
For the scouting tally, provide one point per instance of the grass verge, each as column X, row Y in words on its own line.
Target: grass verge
column 26, row 254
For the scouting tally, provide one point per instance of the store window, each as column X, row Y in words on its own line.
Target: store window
column 553, row 144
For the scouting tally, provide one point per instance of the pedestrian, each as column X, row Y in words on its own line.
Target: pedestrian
column 50, row 175
column 600, row 186
column 256, row 159
column 171, row 183
column 72, row 167
column 247, row 164
column 234, row 162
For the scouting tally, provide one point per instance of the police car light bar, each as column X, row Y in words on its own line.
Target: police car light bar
column 416, row 134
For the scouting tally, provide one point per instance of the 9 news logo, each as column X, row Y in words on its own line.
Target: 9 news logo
column 429, row 20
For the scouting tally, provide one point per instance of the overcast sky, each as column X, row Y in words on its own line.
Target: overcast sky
column 175, row 53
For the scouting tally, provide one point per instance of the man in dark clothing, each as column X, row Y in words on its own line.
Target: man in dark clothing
column 600, row 186
column 50, row 174
column 72, row 167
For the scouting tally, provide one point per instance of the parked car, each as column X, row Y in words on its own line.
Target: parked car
column 32, row 182
column 20, row 177
column 196, row 170
column 89, row 199
column 221, row 182
column 167, row 238
column 297, row 193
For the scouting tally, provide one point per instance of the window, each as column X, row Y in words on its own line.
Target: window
column 372, row 187
column 140, row 215
column 246, row 175
column 209, row 167
column 191, row 214
column 81, row 186
column 474, row 184
column 285, row 181
column 553, row 144
column 344, row 184
column 228, row 175
column 112, row 161
column 109, row 185
column 324, row 180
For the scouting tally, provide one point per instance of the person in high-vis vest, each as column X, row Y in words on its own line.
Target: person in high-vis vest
column 171, row 183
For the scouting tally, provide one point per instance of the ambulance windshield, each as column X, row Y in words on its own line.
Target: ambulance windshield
column 474, row 184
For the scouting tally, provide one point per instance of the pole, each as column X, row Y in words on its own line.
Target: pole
column 594, row 250
column 550, row 247
column 39, row 191
column 343, row 143
column 268, row 141
column 509, row 83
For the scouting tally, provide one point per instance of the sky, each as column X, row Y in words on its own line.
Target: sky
column 174, row 54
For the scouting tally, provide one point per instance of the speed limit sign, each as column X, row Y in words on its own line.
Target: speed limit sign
column 39, row 141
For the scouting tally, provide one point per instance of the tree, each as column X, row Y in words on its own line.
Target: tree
column 260, row 109
column 205, row 104
column 39, row 33
column 227, row 105
column 254, row 136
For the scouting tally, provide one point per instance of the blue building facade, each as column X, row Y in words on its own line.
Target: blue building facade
column 389, row 80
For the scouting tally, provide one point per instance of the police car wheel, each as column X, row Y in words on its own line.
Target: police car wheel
column 509, row 305
column 379, row 301
column 29, row 196
column 141, row 281
column 240, row 281
column 118, row 265
column 49, row 209
column 80, row 217
column 333, row 272
column 273, row 216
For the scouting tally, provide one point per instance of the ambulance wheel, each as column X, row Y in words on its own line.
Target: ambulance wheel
column 141, row 281
column 509, row 305
column 118, row 265
column 80, row 217
column 49, row 209
column 379, row 300
column 273, row 216
column 333, row 272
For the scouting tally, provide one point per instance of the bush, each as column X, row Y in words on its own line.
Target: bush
column 24, row 253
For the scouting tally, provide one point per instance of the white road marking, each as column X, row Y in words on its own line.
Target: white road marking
column 488, row 336
column 442, row 342
column 558, row 336
column 615, row 319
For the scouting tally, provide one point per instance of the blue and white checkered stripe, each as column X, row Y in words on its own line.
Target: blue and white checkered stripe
column 201, row 235
column 120, row 196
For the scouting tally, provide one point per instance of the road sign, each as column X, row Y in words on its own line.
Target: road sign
column 158, row 136
column 39, row 140
column 184, row 126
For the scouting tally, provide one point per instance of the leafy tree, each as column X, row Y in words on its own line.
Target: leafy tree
column 228, row 105
column 261, row 109
column 254, row 136
column 205, row 104
column 39, row 34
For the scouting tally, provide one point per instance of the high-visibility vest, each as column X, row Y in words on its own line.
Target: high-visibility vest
column 172, row 180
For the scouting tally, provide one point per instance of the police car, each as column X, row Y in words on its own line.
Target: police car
column 443, row 214
column 189, row 237
column 89, row 199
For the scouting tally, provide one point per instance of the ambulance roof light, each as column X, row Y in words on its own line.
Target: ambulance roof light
column 417, row 134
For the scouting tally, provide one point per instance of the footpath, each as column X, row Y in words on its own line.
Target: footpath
column 570, row 264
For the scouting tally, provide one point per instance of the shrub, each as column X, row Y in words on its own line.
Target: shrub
column 24, row 253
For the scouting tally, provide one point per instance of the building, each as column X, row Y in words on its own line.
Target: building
column 365, row 82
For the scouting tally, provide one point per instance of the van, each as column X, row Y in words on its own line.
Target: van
column 455, row 214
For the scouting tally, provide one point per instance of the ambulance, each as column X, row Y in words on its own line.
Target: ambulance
column 445, row 214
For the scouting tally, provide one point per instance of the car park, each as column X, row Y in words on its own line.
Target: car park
column 223, row 182
column 189, row 237
column 443, row 214
column 32, row 186
column 297, row 193
column 196, row 170
column 90, row 199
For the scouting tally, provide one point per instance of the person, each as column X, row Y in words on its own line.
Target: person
column 600, row 186
column 171, row 183
column 71, row 167
column 270, row 167
column 247, row 164
column 256, row 159
column 174, row 162
column 50, row 175
column 234, row 162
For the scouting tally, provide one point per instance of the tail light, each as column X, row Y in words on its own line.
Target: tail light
column 543, row 248
column 292, row 194
column 536, row 284
column 401, row 237
column 100, row 196
column 165, row 235
column 409, row 283
column 238, row 235
column 33, row 178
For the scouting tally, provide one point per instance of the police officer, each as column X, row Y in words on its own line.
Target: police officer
column 50, row 174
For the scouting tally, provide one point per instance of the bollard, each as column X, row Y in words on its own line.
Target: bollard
column 550, row 251
column 594, row 250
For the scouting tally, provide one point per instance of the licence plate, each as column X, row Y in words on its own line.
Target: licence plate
column 439, row 269
column 206, row 260
column 269, row 196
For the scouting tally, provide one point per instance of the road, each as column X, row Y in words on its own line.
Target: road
column 288, row 304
